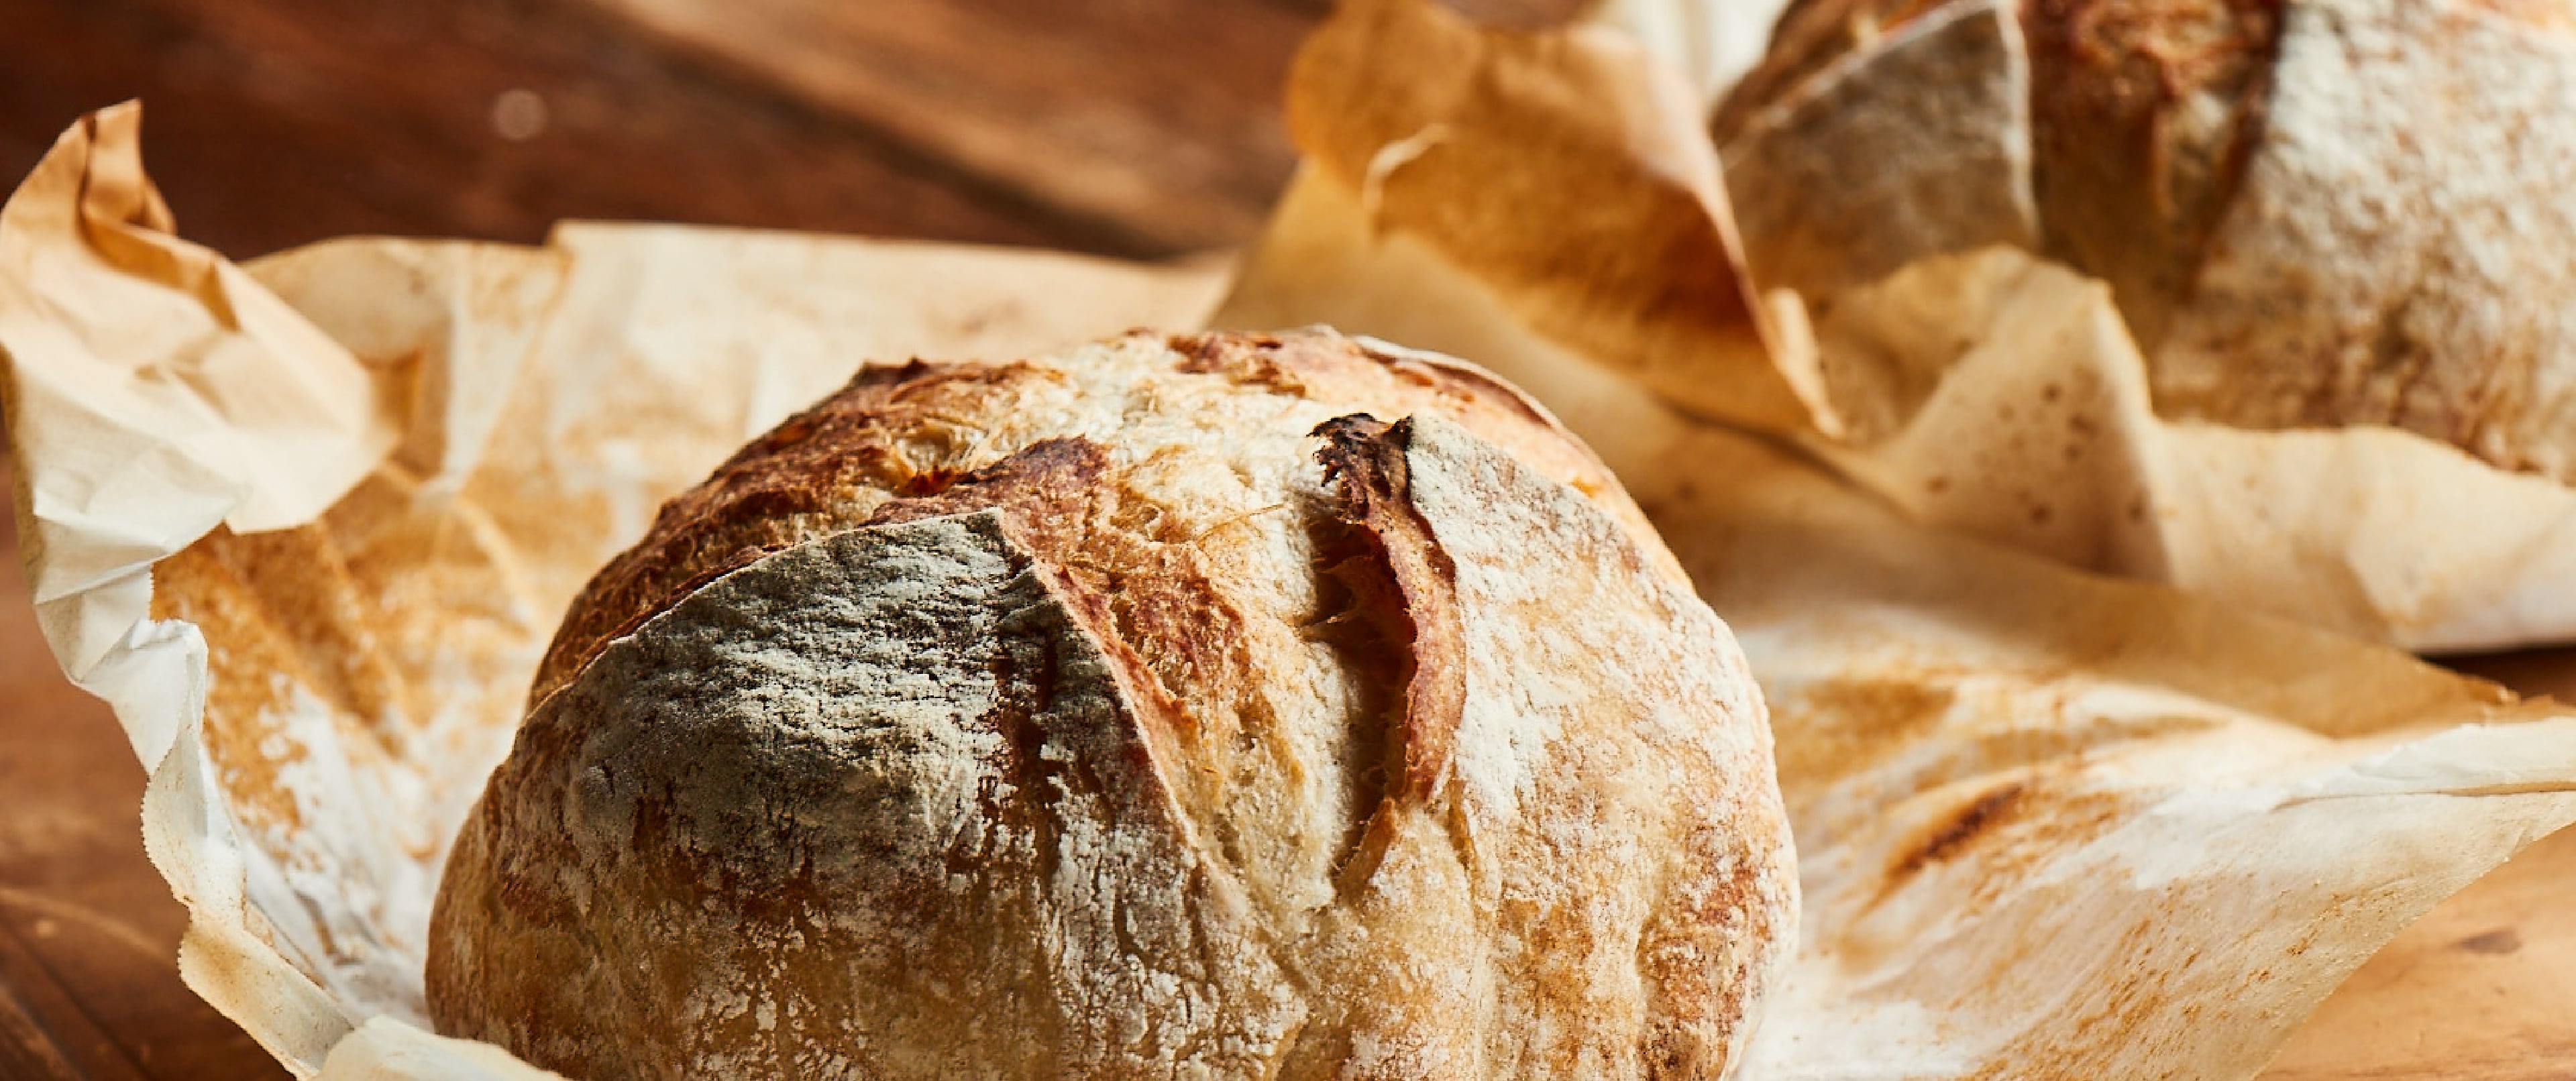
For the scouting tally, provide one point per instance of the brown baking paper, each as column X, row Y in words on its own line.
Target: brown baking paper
column 1842, row 286
column 2008, row 777
column 309, row 524
column 2051, row 824
column 2398, row 240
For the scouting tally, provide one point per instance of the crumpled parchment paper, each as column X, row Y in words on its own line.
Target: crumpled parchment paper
column 2051, row 824
column 308, row 524
column 1851, row 270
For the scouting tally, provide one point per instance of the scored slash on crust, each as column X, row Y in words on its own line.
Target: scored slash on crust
column 1416, row 607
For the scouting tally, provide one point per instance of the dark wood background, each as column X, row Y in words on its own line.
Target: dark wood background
column 1127, row 127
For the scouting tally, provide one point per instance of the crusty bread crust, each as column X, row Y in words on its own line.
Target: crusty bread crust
column 1808, row 37
column 2143, row 113
column 1155, row 709
column 2397, row 251
column 2312, row 213
column 894, row 433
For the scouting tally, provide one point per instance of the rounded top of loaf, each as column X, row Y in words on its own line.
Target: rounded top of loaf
column 912, row 439
column 1236, row 705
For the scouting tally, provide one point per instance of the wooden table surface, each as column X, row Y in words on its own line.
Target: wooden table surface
column 1126, row 127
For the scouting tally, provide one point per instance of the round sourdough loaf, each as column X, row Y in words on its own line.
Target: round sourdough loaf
column 1221, row 706
column 2311, row 213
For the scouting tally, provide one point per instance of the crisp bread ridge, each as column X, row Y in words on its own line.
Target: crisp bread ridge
column 1152, row 709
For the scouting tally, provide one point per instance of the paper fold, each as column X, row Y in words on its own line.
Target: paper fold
column 204, row 400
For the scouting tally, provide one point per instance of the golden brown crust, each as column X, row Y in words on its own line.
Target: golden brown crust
column 1089, row 700
column 2303, row 224
column 733, row 852
column 2396, row 253
column 891, row 433
column 902, row 442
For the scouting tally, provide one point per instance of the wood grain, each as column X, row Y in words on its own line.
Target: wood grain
column 1173, row 134
column 1130, row 112
column 279, row 122
column 2483, row 988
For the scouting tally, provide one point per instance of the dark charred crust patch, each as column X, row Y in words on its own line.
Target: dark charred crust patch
column 1419, row 608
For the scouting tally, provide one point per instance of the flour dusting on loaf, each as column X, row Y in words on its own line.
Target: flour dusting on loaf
column 1211, row 706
